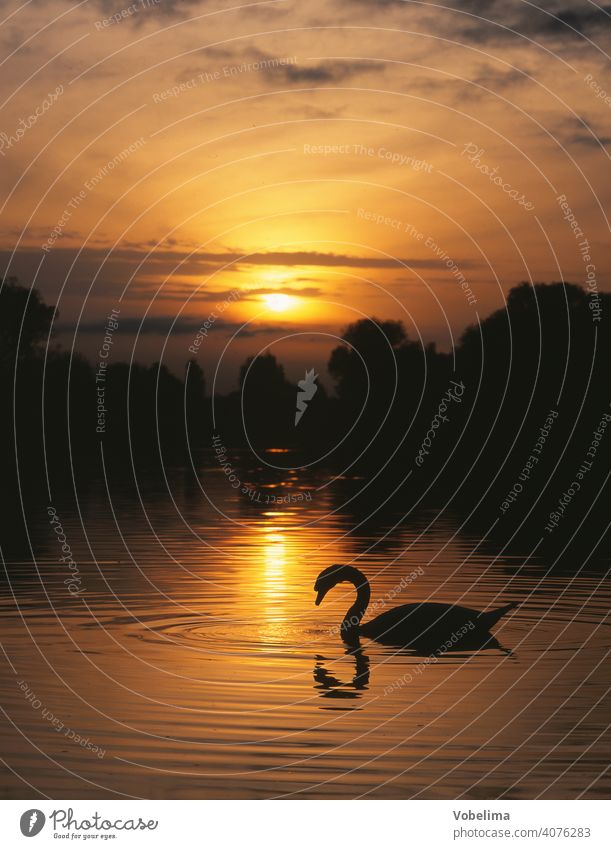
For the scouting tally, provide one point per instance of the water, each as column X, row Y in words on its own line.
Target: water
column 195, row 665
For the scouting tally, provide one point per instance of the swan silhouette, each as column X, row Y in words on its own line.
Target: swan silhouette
column 421, row 625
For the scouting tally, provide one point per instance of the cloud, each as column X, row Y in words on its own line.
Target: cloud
column 590, row 141
column 509, row 20
column 584, row 20
column 317, row 258
column 331, row 72
column 178, row 291
column 165, row 262
column 472, row 85
column 490, row 21
column 493, row 78
column 574, row 131
column 302, row 292
column 167, row 8
column 162, row 325
column 142, row 289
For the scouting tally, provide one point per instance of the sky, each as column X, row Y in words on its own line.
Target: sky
column 266, row 173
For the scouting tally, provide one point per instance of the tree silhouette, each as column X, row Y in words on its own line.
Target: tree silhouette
column 24, row 322
column 268, row 401
column 545, row 350
column 195, row 405
column 366, row 358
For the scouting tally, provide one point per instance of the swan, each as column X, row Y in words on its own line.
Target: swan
column 421, row 624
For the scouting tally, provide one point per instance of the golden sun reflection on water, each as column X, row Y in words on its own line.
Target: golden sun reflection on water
column 229, row 682
column 275, row 548
column 274, row 563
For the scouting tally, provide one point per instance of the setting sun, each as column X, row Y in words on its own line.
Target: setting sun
column 278, row 302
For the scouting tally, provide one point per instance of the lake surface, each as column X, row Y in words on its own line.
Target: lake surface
column 194, row 663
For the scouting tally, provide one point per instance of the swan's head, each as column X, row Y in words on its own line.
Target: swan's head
column 334, row 575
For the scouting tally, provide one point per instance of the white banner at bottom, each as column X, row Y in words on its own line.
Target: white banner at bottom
column 306, row 824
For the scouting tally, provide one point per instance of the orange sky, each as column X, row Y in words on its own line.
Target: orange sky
column 362, row 158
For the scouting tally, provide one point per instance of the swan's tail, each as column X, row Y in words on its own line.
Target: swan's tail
column 491, row 617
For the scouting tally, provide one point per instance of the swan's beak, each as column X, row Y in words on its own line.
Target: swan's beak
column 320, row 596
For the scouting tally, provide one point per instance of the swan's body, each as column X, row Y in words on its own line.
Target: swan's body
column 421, row 624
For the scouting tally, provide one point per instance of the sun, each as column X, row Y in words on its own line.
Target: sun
column 278, row 301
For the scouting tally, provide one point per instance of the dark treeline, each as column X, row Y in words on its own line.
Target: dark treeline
column 500, row 428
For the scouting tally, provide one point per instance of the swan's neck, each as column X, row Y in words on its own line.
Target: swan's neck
column 352, row 619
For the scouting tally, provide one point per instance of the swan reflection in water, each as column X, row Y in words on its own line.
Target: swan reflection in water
column 332, row 687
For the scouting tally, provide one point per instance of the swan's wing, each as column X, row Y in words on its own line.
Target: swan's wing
column 423, row 620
